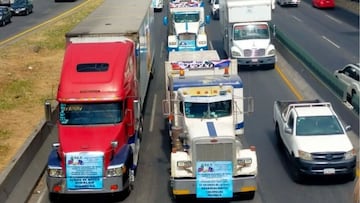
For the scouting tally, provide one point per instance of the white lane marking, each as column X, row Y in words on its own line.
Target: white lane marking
column 296, row 18
column 331, row 42
column 153, row 114
column 211, row 45
column 43, row 195
column 161, row 49
column 334, row 19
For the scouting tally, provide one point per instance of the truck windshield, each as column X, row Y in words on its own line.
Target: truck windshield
column 207, row 110
column 186, row 17
column 243, row 32
column 90, row 113
column 318, row 125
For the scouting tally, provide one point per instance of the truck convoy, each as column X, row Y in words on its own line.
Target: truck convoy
column 205, row 108
column 245, row 27
column 104, row 79
column 314, row 139
column 186, row 26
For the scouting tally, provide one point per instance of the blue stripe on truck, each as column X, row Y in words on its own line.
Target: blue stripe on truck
column 211, row 129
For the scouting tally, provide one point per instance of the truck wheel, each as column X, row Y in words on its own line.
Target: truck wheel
column 296, row 173
column 352, row 175
column 277, row 135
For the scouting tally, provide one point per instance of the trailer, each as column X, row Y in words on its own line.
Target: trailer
column 104, row 79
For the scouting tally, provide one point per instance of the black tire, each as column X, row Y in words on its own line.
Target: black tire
column 296, row 174
column 277, row 135
column 351, row 176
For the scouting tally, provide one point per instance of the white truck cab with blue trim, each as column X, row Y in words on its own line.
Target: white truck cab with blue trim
column 205, row 108
column 186, row 26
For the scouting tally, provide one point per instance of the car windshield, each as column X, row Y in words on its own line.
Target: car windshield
column 243, row 32
column 318, row 125
column 90, row 113
column 19, row 3
column 207, row 110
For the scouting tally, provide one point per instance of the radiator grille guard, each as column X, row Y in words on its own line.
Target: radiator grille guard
column 205, row 150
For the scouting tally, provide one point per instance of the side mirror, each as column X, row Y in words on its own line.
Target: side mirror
column 288, row 130
column 165, row 20
column 274, row 30
column 47, row 110
column 207, row 19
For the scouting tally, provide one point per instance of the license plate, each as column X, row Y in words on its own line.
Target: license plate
column 329, row 171
column 254, row 60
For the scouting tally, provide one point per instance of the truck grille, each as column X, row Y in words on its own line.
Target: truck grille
column 336, row 156
column 214, row 152
column 254, row 52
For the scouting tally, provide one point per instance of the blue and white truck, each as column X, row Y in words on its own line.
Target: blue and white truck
column 205, row 108
column 186, row 26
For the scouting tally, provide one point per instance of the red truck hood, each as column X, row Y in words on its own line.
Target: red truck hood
column 94, row 138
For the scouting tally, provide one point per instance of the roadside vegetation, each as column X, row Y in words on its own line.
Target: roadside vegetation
column 29, row 73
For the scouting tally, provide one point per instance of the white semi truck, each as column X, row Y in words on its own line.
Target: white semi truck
column 205, row 108
column 186, row 26
column 245, row 27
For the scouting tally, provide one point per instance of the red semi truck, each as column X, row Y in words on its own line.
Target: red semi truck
column 104, row 79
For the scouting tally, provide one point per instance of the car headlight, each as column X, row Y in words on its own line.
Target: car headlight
column 117, row 170
column 271, row 52
column 235, row 53
column 183, row 164
column 55, row 172
column 243, row 162
column 305, row 155
column 350, row 154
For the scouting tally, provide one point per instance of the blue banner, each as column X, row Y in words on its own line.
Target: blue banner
column 84, row 170
column 214, row 179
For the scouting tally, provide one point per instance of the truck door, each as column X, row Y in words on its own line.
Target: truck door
column 288, row 132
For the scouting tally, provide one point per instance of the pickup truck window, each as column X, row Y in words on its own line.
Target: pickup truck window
column 291, row 122
column 318, row 125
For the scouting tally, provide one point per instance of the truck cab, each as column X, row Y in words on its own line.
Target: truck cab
column 246, row 31
column 314, row 139
column 205, row 109
column 186, row 26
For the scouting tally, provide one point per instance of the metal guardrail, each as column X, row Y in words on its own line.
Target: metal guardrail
column 11, row 176
column 338, row 87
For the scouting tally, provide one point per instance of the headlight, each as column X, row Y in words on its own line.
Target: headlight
column 235, row 53
column 183, row 164
column 243, row 162
column 350, row 154
column 305, row 155
column 172, row 43
column 117, row 170
column 202, row 43
column 55, row 172
column 271, row 52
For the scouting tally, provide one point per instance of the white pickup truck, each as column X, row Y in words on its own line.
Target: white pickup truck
column 314, row 139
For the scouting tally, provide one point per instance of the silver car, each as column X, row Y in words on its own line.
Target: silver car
column 288, row 2
column 349, row 75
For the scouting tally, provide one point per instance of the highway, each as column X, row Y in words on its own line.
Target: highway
column 274, row 182
column 329, row 36
column 44, row 10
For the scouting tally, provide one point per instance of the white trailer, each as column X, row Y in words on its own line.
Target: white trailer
column 245, row 27
column 205, row 108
